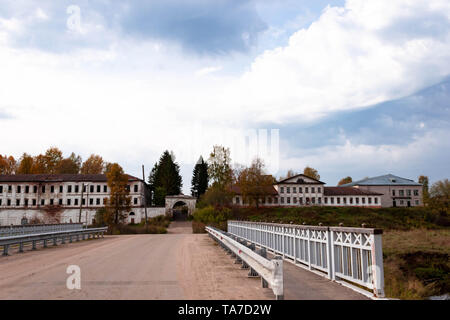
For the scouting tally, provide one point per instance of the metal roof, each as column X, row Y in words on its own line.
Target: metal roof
column 386, row 180
column 58, row 178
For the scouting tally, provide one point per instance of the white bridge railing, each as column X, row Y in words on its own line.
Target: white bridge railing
column 351, row 254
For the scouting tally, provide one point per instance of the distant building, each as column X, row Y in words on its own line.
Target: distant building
column 396, row 191
column 60, row 197
column 301, row 190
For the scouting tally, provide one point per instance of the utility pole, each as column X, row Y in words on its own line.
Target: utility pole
column 144, row 189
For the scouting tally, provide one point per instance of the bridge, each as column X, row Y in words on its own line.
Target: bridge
column 177, row 265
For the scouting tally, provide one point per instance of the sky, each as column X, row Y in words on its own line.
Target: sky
column 352, row 88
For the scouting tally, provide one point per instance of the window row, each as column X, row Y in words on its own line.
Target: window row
column 300, row 189
column 68, row 202
column 351, row 200
column 69, row 188
column 401, row 193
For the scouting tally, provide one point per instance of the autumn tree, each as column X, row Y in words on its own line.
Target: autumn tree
column 219, row 167
column 70, row 165
column 93, row 165
column 345, row 181
column 439, row 197
column 39, row 164
column 311, row 172
column 255, row 184
column 425, row 185
column 53, row 157
column 119, row 201
column 26, row 163
column 8, row 165
column 200, row 178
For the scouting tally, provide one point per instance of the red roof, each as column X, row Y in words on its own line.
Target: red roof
column 347, row 191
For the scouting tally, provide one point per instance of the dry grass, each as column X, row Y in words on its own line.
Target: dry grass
column 416, row 263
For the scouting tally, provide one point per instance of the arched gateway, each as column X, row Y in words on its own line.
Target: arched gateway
column 174, row 205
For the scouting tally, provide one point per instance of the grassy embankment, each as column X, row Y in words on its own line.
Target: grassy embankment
column 156, row 225
column 416, row 241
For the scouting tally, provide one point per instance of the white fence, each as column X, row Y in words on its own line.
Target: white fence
column 351, row 254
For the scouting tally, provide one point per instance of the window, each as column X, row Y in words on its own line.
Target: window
column 76, row 202
column 17, row 202
column 332, row 200
column 68, row 202
column 128, row 187
column 97, row 201
column 99, row 188
column 313, row 190
column 84, row 188
column 301, row 200
column 42, row 202
column 325, row 200
column 43, row 189
column 319, row 190
column 19, row 189
column 34, row 189
column 375, row 200
column 294, row 189
column 52, row 189
column 402, row 202
column 295, row 199
column 51, row 202
column 27, row 189
column 60, row 189
column 288, row 199
column 0, row 202
column 104, row 200
column 77, row 188
column 370, row 200
column 282, row 190
column 91, row 201
column 393, row 193
column 300, row 190
column 105, row 188
column 345, row 200
column 338, row 200
column 136, row 188
column 313, row 200
column 264, row 200
column 270, row 200
column 282, row 200
column 357, row 200
column 60, row 202
column 408, row 193
column 34, row 202
column 69, row 189
column 288, row 190
column 416, row 192
column 401, row 193
column 351, row 200
column 237, row 200
column 363, row 200
column 8, row 202
column 83, row 201
column 275, row 200
column 319, row 200
column 9, row 189
column 91, row 189
column 1, row 189
column 306, row 189
column 417, row 202
column 26, row 202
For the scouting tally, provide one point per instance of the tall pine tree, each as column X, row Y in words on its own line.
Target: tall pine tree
column 165, row 179
column 200, row 178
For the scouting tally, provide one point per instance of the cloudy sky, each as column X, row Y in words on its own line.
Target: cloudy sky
column 356, row 87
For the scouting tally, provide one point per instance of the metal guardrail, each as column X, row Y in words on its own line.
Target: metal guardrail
column 351, row 254
column 270, row 271
column 34, row 239
column 9, row 231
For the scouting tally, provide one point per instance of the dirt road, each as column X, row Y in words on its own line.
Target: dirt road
column 178, row 265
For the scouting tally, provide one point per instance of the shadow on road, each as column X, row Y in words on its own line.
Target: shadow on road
column 180, row 227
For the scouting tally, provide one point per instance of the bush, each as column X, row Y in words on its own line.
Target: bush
column 198, row 227
column 210, row 216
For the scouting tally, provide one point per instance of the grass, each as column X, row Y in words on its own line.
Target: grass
column 156, row 225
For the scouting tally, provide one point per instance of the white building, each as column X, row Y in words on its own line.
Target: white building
column 64, row 198
column 301, row 190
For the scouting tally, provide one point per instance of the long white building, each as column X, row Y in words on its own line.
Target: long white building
column 62, row 197
column 301, row 190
